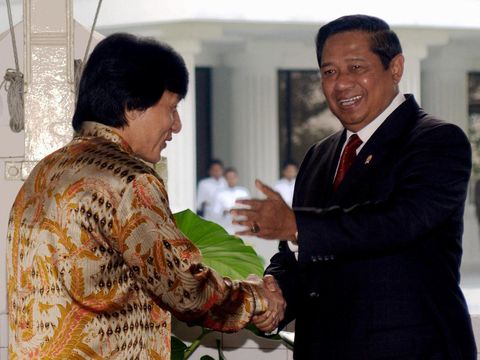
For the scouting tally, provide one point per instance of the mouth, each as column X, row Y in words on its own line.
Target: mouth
column 349, row 101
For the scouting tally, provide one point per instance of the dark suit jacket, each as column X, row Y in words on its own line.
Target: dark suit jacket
column 378, row 269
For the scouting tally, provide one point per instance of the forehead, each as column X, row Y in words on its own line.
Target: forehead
column 347, row 43
column 169, row 97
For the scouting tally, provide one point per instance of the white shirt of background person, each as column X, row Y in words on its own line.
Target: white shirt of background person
column 286, row 184
column 225, row 201
column 208, row 189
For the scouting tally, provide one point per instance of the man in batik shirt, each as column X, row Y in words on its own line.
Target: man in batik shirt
column 96, row 263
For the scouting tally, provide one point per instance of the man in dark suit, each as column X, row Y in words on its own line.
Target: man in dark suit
column 370, row 268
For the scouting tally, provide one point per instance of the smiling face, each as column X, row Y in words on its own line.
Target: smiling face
column 356, row 85
column 149, row 130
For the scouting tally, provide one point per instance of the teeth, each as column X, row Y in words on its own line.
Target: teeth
column 349, row 101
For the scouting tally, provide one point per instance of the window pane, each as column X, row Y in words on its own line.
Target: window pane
column 303, row 113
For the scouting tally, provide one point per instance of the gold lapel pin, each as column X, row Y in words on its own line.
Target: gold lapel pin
column 369, row 158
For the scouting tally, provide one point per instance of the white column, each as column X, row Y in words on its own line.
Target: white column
column 411, row 80
column 49, row 97
column 181, row 152
column 446, row 96
column 415, row 44
column 254, row 122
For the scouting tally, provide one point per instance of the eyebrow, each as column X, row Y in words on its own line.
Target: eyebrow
column 348, row 60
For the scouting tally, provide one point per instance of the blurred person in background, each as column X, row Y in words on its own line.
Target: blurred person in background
column 226, row 198
column 208, row 189
column 286, row 184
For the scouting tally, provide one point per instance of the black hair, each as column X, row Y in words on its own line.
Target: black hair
column 215, row 162
column 289, row 163
column 230, row 169
column 126, row 72
column 384, row 41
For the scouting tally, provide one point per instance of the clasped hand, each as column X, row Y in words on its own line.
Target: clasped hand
column 269, row 320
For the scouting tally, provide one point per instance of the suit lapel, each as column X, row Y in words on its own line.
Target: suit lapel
column 377, row 148
column 314, row 182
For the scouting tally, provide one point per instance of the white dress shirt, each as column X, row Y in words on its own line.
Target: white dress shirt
column 285, row 188
column 224, row 202
column 207, row 191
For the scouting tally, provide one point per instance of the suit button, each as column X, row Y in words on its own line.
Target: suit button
column 314, row 295
column 314, row 258
column 320, row 258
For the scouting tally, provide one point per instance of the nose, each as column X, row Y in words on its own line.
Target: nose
column 343, row 81
column 177, row 123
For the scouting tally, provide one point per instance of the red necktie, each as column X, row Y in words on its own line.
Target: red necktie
column 348, row 155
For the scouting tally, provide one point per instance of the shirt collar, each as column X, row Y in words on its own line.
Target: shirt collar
column 94, row 129
column 365, row 133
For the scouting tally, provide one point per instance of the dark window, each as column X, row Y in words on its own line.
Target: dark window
column 303, row 113
column 203, row 103
column 474, row 135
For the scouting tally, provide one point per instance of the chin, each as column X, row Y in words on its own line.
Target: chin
column 155, row 160
column 149, row 159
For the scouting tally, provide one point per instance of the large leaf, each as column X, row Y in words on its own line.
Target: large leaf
column 178, row 349
column 225, row 253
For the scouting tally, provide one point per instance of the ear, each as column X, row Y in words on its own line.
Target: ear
column 396, row 67
column 132, row 115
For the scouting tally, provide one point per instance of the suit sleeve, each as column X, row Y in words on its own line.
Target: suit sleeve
column 168, row 266
column 284, row 268
column 432, row 179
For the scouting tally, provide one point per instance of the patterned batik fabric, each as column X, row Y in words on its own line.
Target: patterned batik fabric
column 96, row 262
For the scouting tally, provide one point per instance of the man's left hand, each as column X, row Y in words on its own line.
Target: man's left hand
column 270, row 218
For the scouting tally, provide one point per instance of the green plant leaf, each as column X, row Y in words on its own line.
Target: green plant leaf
column 178, row 349
column 227, row 254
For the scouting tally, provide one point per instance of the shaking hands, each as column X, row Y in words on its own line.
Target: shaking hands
column 269, row 320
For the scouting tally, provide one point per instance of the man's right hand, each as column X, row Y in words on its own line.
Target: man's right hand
column 269, row 320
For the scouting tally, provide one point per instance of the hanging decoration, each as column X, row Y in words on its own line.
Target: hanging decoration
column 13, row 81
column 78, row 63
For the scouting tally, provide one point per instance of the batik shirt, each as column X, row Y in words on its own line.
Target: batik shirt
column 96, row 263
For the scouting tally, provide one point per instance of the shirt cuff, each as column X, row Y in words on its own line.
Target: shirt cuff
column 259, row 302
column 293, row 248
